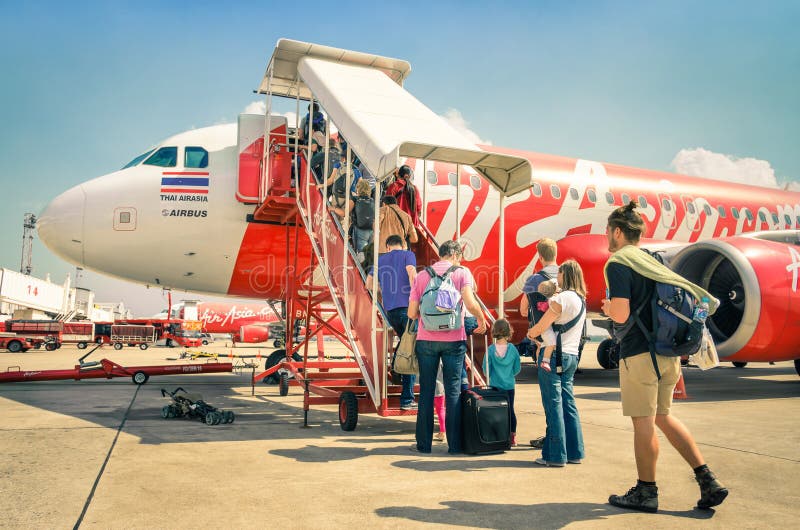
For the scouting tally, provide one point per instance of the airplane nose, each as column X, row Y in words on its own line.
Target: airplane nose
column 60, row 225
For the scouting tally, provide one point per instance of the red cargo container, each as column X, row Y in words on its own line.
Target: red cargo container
column 80, row 333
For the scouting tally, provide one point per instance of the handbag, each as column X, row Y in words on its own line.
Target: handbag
column 405, row 358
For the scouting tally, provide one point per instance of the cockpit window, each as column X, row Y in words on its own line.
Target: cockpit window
column 195, row 157
column 135, row 161
column 164, row 157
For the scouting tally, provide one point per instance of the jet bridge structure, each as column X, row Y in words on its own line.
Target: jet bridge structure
column 384, row 126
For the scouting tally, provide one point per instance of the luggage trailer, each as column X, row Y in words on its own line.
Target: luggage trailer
column 107, row 369
column 332, row 284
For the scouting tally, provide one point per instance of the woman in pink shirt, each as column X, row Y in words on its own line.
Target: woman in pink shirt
column 447, row 346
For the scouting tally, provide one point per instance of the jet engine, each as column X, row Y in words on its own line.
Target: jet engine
column 756, row 280
column 253, row 333
column 755, row 277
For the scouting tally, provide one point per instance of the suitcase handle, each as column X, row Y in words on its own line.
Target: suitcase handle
column 477, row 396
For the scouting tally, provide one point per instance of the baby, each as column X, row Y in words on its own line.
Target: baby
column 546, row 289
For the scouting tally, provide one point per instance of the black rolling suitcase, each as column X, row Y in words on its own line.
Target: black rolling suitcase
column 485, row 420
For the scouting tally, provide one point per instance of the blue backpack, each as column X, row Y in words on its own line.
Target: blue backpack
column 675, row 333
column 441, row 305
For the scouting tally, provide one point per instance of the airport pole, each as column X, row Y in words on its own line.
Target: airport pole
column 458, row 203
column 325, row 174
column 376, row 237
column 308, row 144
column 265, row 147
column 424, row 191
column 501, row 261
column 348, row 182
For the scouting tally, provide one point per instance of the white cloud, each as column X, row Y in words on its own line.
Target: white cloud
column 792, row 186
column 256, row 107
column 700, row 162
column 457, row 121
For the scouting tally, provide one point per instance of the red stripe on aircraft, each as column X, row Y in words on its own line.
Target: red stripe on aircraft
column 182, row 190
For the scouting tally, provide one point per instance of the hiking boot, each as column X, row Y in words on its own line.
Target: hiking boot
column 639, row 497
column 712, row 493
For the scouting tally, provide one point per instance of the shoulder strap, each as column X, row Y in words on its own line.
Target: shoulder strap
column 399, row 219
column 544, row 274
column 562, row 328
column 450, row 271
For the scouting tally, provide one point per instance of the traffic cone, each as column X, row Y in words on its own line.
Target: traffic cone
column 679, row 392
column 230, row 355
column 258, row 355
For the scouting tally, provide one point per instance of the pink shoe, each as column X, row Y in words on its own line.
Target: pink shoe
column 545, row 365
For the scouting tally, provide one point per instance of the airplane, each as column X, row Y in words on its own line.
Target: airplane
column 245, row 322
column 189, row 201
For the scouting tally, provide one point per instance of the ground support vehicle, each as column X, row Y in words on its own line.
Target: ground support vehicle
column 132, row 335
column 47, row 332
column 186, row 405
column 15, row 343
column 173, row 332
column 106, row 369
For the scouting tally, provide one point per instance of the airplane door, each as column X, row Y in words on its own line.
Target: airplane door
column 692, row 215
column 667, row 211
column 251, row 149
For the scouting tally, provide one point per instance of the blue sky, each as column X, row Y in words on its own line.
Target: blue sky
column 87, row 87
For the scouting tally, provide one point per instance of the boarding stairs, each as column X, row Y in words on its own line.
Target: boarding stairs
column 363, row 95
column 334, row 287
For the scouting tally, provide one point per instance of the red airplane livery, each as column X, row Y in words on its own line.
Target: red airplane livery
column 256, row 223
column 246, row 322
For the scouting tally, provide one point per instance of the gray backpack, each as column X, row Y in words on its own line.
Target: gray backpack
column 441, row 306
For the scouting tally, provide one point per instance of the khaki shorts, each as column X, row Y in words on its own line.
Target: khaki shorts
column 642, row 392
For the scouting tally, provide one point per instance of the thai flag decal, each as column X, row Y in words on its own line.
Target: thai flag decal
column 185, row 182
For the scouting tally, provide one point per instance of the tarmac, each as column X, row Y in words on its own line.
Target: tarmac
column 97, row 454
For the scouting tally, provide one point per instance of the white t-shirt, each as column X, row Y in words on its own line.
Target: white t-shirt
column 571, row 305
column 549, row 337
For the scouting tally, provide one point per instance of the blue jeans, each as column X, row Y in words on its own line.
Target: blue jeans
column 452, row 357
column 564, row 438
column 398, row 317
column 361, row 238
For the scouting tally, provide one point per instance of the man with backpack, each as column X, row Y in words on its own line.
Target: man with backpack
column 548, row 251
column 396, row 272
column 317, row 123
column 438, row 297
column 337, row 183
column 362, row 207
column 648, row 373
